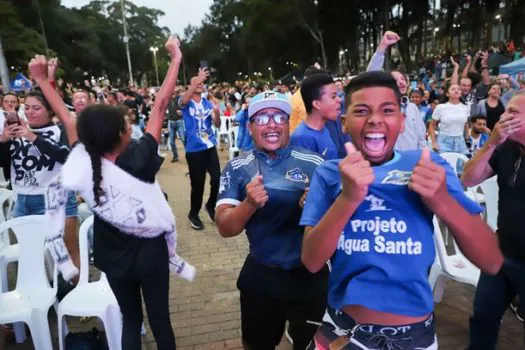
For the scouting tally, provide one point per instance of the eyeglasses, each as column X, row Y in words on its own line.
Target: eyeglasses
column 264, row 118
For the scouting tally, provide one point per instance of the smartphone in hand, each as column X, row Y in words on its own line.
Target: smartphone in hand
column 12, row 118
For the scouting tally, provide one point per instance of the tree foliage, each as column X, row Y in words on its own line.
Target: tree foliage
column 87, row 40
column 242, row 37
column 251, row 35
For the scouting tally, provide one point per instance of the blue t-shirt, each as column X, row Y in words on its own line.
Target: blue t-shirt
column 198, row 121
column 335, row 128
column 244, row 139
column 273, row 232
column 476, row 144
column 386, row 250
column 318, row 141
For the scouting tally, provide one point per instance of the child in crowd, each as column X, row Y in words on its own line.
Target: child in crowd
column 371, row 215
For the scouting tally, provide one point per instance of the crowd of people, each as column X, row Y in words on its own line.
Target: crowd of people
column 342, row 167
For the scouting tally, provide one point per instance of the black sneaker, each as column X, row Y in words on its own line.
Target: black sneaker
column 196, row 222
column 211, row 212
column 174, row 160
column 514, row 307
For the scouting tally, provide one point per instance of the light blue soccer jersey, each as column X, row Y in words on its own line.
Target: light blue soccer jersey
column 198, row 121
column 386, row 250
column 318, row 141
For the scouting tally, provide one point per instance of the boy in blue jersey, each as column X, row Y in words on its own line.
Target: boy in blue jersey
column 322, row 104
column 263, row 192
column 244, row 139
column 370, row 214
column 199, row 114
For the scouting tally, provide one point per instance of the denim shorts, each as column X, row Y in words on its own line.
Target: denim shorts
column 454, row 144
column 27, row 204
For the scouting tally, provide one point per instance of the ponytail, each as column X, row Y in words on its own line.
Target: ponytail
column 96, row 164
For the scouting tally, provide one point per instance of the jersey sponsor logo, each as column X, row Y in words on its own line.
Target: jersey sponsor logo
column 388, row 234
column 376, row 203
column 397, row 177
column 297, row 175
column 269, row 95
column 28, row 163
column 225, row 182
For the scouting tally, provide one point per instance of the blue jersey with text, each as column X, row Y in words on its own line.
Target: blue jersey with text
column 198, row 121
column 385, row 252
column 318, row 141
column 273, row 232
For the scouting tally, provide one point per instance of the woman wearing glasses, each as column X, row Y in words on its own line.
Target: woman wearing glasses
column 263, row 192
column 502, row 155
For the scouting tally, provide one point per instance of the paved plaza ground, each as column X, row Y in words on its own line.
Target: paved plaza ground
column 205, row 314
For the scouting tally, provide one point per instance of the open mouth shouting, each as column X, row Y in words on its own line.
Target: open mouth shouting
column 272, row 137
column 374, row 144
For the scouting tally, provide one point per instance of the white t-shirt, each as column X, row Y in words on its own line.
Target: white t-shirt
column 452, row 118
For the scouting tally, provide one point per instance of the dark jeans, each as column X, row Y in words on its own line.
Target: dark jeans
column 199, row 163
column 154, row 284
column 493, row 296
column 263, row 320
column 176, row 127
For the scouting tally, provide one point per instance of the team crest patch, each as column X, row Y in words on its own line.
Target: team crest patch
column 269, row 95
column 297, row 175
column 397, row 177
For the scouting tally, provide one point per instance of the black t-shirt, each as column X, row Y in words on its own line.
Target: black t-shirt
column 117, row 253
column 493, row 113
column 482, row 91
column 511, row 204
column 132, row 104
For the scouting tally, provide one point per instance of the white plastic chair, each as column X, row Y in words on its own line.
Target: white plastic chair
column 33, row 296
column 3, row 181
column 456, row 160
column 91, row 298
column 491, row 192
column 456, row 266
column 232, row 140
column 8, row 252
column 223, row 129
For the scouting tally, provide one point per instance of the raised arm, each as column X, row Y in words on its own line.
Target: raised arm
column 378, row 59
column 475, row 238
column 464, row 74
column 168, row 85
column 194, row 84
column 478, row 169
column 320, row 241
column 455, row 74
column 38, row 68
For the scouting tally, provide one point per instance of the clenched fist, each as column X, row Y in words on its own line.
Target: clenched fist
column 389, row 38
column 356, row 175
column 429, row 180
column 173, row 48
column 256, row 194
column 38, row 68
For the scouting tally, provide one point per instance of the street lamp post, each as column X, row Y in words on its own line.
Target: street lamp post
column 126, row 41
column 271, row 73
column 434, row 41
column 154, row 50
column 498, row 18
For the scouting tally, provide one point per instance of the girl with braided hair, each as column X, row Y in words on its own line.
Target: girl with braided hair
column 134, row 228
